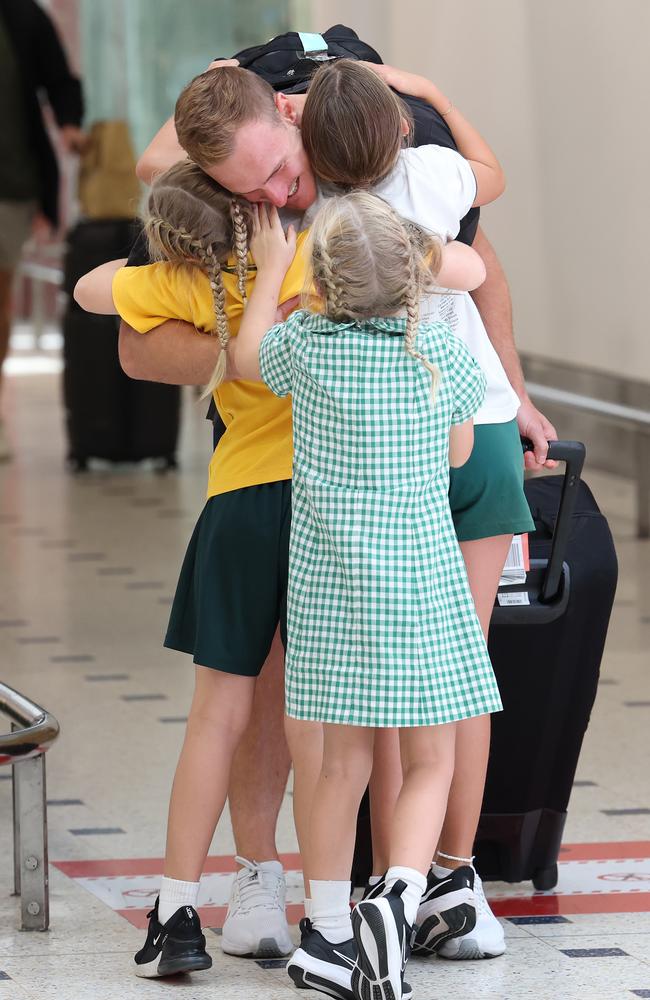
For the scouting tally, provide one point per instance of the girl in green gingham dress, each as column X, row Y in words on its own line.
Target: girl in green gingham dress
column 382, row 630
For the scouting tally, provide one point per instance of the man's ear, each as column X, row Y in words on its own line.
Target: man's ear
column 286, row 109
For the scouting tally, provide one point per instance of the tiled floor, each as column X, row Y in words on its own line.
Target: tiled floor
column 88, row 568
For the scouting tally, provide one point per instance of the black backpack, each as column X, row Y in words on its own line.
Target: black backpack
column 289, row 61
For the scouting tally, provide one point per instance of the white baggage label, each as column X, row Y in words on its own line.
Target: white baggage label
column 507, row 600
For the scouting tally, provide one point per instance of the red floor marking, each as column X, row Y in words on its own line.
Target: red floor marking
column 153, row 866
column 605, row 851
column 211, row 916
column 548, row 905
column 591, row 901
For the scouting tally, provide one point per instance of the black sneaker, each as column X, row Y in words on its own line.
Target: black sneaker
column 372, row 891
column 447, row 910
column 320, row 965
column 383, row 940
column 177, row 946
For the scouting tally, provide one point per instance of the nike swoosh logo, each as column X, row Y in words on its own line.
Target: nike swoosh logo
column 344, row 958
column 156, row 939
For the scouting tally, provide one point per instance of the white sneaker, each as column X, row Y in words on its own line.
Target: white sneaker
column 256, row 924
column 486, row 940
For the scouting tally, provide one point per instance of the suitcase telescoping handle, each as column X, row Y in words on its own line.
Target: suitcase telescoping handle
column 572, row 453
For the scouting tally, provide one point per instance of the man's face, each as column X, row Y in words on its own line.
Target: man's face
column 268, row 163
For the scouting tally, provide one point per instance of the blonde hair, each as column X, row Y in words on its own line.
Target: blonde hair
column 214, row 105
column 352, row 124
column 190, row 220
column 367, row 262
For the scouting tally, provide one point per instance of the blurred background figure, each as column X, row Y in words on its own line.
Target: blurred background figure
column 32, row 63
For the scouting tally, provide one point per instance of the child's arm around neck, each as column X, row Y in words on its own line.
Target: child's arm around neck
column 273, row 253
column 490, row 179
column 94, row 291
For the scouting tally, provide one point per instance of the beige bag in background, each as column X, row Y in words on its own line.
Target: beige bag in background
column 108, row 186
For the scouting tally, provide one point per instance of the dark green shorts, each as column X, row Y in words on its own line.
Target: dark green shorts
column 486, row 494
column 232, row 590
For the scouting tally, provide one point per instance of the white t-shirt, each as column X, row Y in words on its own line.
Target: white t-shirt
column 435, row 187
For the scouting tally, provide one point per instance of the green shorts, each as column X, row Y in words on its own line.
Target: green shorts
column 486, row 494
column 232, row 589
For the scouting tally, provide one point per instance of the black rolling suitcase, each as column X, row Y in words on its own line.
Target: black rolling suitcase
column 546, row 643
column 108, row 415
column 546, row 649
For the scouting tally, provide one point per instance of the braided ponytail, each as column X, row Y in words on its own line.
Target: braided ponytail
column 330, row 282
column 412, row 307
column 240, row 245
column 192, row 220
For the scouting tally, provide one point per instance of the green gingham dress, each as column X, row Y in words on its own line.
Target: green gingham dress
column 382, row 629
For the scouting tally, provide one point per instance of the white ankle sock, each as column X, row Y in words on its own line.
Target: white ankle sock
column 416, row 883
column 439, row 871
column 308, row 907
column 174, row 894
column 330, row 910
column 375, row 880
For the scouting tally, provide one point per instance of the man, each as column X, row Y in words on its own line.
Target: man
column 250, row 143
column 32, row 61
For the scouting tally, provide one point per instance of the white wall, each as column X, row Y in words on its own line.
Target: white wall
column 560, row 89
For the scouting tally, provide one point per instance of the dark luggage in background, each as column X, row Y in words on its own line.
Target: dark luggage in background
column 108, row 415
column 289, row 61
column 546, row 656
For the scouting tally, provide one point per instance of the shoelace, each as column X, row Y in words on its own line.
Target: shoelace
column 253, row 890
column 482, row 905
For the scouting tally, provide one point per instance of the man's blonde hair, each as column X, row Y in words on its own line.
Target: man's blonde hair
column 352, row 124
column 190, row 220
column 368, row 262
column 214, row 106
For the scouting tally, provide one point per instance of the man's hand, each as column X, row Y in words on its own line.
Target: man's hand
column 74, row 139
column 534, row 425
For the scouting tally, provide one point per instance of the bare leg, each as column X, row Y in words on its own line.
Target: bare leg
column 261, row 765
column 347, row 763
column 385, row 785
column 428, row 762
column 306, row 745
column 218, row 717
column 484, row 560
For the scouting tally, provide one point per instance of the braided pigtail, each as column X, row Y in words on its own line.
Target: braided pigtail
column 412, row 307
column 330, row 282
column 240, row 245
column 212, row 268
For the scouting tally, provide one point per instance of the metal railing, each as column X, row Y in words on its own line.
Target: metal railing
column 33, row 731
column 626, row 416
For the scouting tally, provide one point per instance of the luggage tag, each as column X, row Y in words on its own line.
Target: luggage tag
column 518, row 597
column 314, row 46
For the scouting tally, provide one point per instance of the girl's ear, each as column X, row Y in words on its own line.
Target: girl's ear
column 405, row 127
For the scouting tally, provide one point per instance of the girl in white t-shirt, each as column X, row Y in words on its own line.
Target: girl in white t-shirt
column 355, row 130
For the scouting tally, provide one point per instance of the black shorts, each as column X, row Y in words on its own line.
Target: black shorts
column 232, row 589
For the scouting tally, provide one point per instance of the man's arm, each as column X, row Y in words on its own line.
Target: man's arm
column 495, row 306
column 173, row 353
column 163, row 152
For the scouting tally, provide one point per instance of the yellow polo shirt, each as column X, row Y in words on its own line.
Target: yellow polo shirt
column 257, row 446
